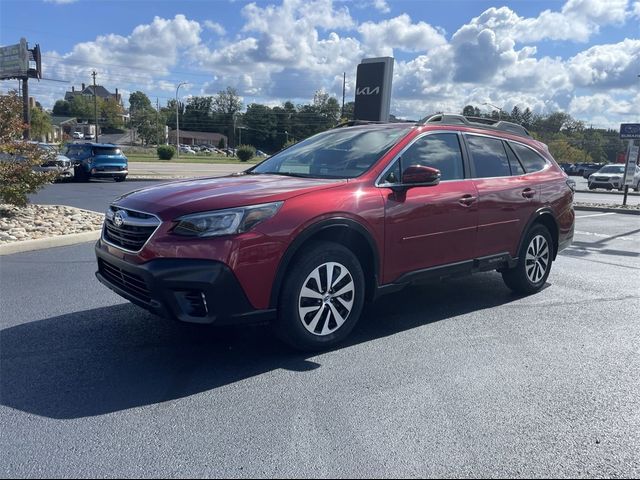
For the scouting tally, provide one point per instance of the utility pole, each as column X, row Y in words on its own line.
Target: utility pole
column 95, row 103
column 344, row 87
column 26, row 134
column 178, row 120
column 157, row 121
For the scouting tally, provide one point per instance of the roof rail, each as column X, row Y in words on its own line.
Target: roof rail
column 477, row 122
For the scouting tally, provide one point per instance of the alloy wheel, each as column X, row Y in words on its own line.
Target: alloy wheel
column 537, row 259
column 326, row 298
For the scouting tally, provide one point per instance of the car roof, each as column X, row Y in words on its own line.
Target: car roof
column 93, row 144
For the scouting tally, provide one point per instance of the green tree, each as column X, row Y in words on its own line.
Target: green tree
column 40, row 125
column 81, row 107
column 62, row 108
column 227, row 104
column 111, row 114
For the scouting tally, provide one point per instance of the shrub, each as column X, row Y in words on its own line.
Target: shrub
column 245, row 152
column 166, row 152
column 18, row 158
column 221, row 144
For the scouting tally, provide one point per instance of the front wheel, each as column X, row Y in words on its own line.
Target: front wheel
column 534, row 262
column 322, row 297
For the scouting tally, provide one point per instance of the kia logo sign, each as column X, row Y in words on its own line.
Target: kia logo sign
column 373, row 89
column 368, row 91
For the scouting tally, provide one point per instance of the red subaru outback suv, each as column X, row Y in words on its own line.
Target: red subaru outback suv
column 305, row 237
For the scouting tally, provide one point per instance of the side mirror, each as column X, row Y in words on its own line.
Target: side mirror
column 416, row 175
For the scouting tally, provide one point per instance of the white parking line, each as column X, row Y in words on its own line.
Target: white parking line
column 602, row 235
column 596, row 215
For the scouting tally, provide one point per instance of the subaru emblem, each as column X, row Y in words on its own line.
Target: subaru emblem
column 117, row 218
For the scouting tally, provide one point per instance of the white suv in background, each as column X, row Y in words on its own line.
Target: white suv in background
column 611, row 177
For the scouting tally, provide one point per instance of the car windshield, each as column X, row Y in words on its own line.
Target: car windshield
column 612, row 169
column 106, row 151
column 338, row 153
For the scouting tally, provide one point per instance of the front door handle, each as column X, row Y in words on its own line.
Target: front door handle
column 467, row 200
column 528, row 193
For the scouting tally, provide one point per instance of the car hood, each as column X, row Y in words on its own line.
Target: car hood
column 171, row 200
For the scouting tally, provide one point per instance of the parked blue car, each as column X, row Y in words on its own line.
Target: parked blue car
column 98, row 160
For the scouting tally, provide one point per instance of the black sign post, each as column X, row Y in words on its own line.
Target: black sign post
column 373, row 89
column 631, row 133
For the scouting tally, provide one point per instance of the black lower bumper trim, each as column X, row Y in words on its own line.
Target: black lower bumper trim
column 195, row 291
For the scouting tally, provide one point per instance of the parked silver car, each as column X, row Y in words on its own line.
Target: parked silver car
column 611, row 177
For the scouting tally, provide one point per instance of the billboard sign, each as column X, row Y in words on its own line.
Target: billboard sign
column 373, row 89
column 629, row 131
column 14, row 61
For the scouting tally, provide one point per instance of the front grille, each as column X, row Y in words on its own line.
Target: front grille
column 134, row 230
column 129, row 282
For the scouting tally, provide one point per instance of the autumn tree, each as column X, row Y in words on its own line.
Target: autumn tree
column 18, row 158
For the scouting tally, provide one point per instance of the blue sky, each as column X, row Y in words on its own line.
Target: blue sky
column 580, row 56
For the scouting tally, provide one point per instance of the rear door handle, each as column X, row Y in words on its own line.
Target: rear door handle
column 467, row 200
column 528, row 193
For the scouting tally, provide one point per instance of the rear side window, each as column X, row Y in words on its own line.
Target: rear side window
column 531, row 161
column 489, row 157
column 516, row 166
column 441, row 151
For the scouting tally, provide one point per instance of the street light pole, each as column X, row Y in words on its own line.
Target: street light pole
column 178, row 120
column 495, row 106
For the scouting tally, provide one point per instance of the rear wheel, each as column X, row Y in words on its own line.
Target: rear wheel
column 79, row 174
column 322, row 297
column 534, row 262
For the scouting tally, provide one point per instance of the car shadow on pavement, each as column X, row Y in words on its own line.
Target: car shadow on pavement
column 114, row 358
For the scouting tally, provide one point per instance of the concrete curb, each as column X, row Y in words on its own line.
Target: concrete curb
column 612, row 192
column 50, row 242
column 626, row 211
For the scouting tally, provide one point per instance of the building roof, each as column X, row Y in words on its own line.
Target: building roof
column 101, row 92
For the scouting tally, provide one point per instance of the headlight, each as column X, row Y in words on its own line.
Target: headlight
column 615, row 179
column 225, row 222
column 591, row 177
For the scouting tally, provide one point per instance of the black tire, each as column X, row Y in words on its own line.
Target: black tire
column 79, row 175
column 120, row 179
column 591, row 188
column 289, row 326
column 517, row 278
column 637, row 189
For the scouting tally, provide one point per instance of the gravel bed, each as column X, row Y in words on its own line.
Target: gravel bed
column 42, row 221
column 606, row 205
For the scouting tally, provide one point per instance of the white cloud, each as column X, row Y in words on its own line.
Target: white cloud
column 381, row 5
column 400, row 32
column 215, row 27
column 636, row 9
column 607, row 66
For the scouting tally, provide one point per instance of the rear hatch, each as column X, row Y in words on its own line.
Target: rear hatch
column 108, row 159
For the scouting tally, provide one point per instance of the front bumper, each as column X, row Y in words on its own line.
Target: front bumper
column 195, row 291
column 615, row 185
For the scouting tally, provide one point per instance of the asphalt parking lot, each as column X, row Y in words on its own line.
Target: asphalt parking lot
column 460, row 378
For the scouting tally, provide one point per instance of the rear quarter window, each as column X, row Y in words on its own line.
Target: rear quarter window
column 531, row 161
column 489, row 157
